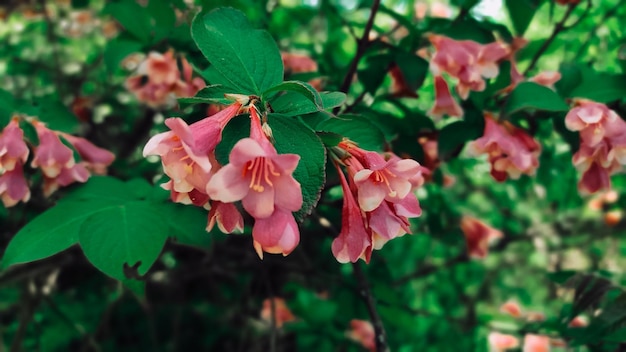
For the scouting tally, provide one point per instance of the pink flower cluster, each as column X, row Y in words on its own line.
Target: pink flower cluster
column 54, row 158
column 499, row 342
column 158, row 81
column 257, row 176
column 602, row 144
column 363, row 333
column 466, row 61
column 510, row 149
column 378, row 200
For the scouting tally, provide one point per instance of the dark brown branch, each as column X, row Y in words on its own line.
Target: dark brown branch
column 379, row 328
column 560, row 26
column 362, row 45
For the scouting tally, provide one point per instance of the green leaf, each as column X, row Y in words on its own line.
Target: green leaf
column 187, row 224
column 52, row 231
column 571, row 77
column 294, row 104
column 130, row 234
column 291, row 136
column 163, row 14
column 302, row 88
column 530, row 95
column 210, row 95
column 56, row 115
column 357, row 128
column 521, row 13
column 413, row 68
column 247, row 57
column 7, row 107
column 132, row 16
column 105, row 188
column 376, row 67
column 601, row 87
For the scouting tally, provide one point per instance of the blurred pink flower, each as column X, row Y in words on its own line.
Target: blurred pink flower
column 501, row 342
column 536, row 343
column 591, row 119
column 510, row 149
column 95, row 158
column 282, row 314
column 13, row 149
column 13, row 186
column 362, row 332
column 51, row 155
column 444, row 102
column 512, row 308
column 478, row 236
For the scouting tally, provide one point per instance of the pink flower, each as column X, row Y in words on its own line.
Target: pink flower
column 51, row 155
column 13, row 186
column 511, row 150
column 186, row 151
column 276, row 234
column 362, row 332
column 95, row 158
column 159, row 68
column 282, row 314
column 578, row 322
column 354, row 240
column 298, row 63
column 546, row 78
column 75, row 173
column 13, row 149
column 400, row 88
column 501, row 342
column 536, row 343
column 258, row 176
column 592, row 119
column 188, row 86
column 478, row 235
column 512, row 308
column 444, row 102
column 226, row 216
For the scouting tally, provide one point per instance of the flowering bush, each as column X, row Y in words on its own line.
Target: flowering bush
column 290, row 175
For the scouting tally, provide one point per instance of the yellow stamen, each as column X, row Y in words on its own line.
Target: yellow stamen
column 262, row 169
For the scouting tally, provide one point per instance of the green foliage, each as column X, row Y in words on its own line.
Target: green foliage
column 532, row 96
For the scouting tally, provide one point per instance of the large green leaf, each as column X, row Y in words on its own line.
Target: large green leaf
column 294, row 104
column 291, row 136
column 248, row 58
column 187, row 224
column 521, row 13
column 53, row 231
column 530, row 95
column 213, row 94
column 128, row 235
column 132, row 16
column 357, row 128
column 601, row 87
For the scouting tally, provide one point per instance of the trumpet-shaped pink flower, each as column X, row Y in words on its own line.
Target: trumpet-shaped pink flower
column 75, row 173
column 13, row 186
column 354, row 240
column 51, row 155
column 536, row 343
column 362, row 332
column 282, row 313
column 189, row 85
column 13, row 149
column 478, row 235
column 186, row 151
column 276, row 234
column 96, row 159
column 226, row 216
column 160, row 68
column 511, row 150
column 444, row 102
column 501, row 342
column 258, row 176
column 546, row 78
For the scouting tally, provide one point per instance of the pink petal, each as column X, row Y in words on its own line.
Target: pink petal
column 228, row 185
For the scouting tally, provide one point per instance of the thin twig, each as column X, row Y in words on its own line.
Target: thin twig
column 557, row 29
column 29, row 304
column 379, row 328
column 362, row 45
